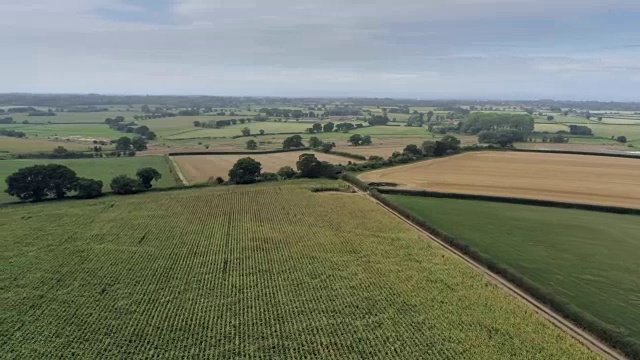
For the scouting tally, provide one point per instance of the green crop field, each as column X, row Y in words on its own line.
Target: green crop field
column 268, row 271
column 103, row 169
column 71, row 117
column 587, row 258
column 236, row 130
column 44, row 131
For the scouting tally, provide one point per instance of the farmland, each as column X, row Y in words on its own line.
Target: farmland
column 213, row 273
column 568, row 178
column 200, row 168
column 589, row 259
column 99, row 169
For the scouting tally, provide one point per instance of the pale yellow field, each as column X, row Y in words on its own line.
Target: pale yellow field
column 570, row 178
column 200, row 168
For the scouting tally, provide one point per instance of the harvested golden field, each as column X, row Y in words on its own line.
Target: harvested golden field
column 200, row 168
column 570, row 178
column 385, row 147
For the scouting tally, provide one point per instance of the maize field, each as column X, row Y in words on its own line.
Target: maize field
column 255, row 272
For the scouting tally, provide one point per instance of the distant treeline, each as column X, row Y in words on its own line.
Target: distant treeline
column 477, row 122
column 12, row 133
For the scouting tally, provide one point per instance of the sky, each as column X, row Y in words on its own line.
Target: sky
column 426, row 49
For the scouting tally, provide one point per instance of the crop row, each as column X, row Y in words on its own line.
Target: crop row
column 251, row 273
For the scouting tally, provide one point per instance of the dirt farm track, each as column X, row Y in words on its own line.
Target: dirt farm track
column 585, row 179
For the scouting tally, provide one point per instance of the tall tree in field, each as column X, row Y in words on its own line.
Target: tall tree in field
column 317, row 127
column 40, row 181
column 139, row 143
column 252, row 145
column 124, row 144
column 245, row 171
column 147, row 175
column 314, row 142
column 294, row 141
column 246, row 132
column 355, row 140
column 328, row 127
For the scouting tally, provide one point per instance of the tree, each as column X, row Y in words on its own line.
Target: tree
column 314, row 142
column 62, row 179
column 310, row 167
column 550, row 118
column 355, row 140
column 327, row 147
column 124, row 144
column 139, row 143
column 246, row 132
column 124, row 185
column 39, row 181
column 89, row 188
column 317, row 127
column 294, row 141
column 413, row 150
column 147, row 175
column 197, row 123
column 286, row 172
column 428, row 148
column 245, row 171
column 328, row 127
column 261, row 132
column 366, row 140
column 252, row 145
column 621, row 139
column 451, row 142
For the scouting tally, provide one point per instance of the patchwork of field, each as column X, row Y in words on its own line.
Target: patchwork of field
column 589, row 259
column 570, row 178
column 103, row 169
column 272, row 271
column 25, row 145
column 200, row 168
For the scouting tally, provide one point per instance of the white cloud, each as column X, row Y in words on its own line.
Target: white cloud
column 435, row 48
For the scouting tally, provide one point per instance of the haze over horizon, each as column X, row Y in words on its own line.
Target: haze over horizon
column 436, row 49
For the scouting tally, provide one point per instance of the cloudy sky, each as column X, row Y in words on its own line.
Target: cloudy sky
column 486, row 49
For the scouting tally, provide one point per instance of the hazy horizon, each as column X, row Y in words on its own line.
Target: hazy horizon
column 437, row 50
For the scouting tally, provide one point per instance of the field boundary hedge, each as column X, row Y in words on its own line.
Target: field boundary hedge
column 238, row 152
column 568, row 152
column 603, row 331
column 513, row 200
column 347, row 155
column 353, row 180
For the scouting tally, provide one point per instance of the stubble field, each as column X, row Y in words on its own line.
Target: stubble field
column 569, row 178
column 271, row 271
column 199, row 168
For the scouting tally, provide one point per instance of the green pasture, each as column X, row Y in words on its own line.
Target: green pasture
column 103, row 169
column 587, row 258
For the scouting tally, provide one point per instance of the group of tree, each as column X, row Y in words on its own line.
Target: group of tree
column 621, row 139
column 316, row 143
column 125, row 185
column 358, row 140
column 248, row 170
column 445, row 146
column 292, row 142
column 477, row 122
column 503, row 138
column 12, row 133
column 580, row 130
column 49, row 112
column 127, row 144
column 217, row 124
column 119, row 124
column 160, row 115
column 39, row 182
column 21, row 110
column 378, row 120
column 7, row 120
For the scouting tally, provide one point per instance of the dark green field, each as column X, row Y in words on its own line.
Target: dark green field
column 591, row 259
